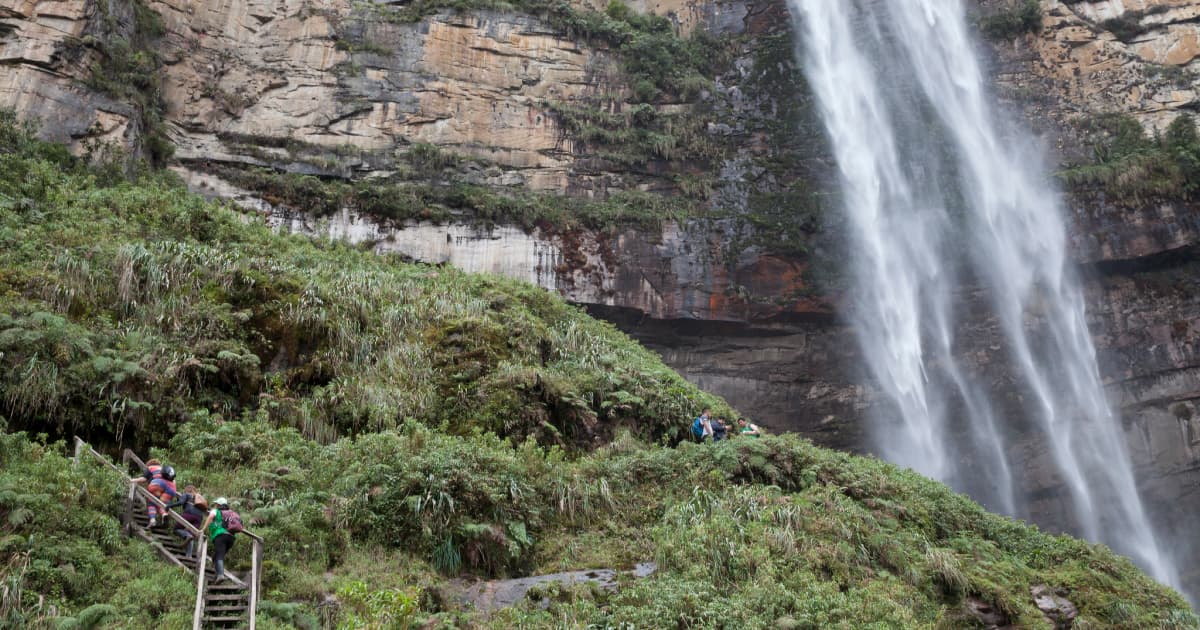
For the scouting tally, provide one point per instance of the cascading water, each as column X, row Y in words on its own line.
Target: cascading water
column 940, row 196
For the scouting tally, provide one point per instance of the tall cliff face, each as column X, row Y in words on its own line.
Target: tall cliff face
column 460, row 136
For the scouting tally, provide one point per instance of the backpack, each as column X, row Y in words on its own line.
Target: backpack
column 698, row 429
column 231, row 521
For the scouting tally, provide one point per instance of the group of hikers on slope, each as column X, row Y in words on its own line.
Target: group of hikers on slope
column 219, row 522
column 705, row 427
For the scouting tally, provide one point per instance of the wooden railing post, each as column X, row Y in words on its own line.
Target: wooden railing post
column 201, row 567
column 129, row 508
column 255, row 577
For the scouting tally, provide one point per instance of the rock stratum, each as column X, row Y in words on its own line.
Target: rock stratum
column 737, row 285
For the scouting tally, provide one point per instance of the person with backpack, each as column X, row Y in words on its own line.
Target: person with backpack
column 702, row 426
column 221, row 524
column 163, row 489
column 152, row 471
column 195, row 508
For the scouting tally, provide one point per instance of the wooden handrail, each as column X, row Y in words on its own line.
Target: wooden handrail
column 201, row 567
column 82, row 447
column 255, row 577
column 127, row 456
column 130, row 456
column 250, row 534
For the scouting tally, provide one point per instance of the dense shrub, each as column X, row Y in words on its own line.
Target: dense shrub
column 1024, row 17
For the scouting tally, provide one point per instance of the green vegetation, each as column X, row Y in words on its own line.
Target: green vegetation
column 129, row 305
column 1130, row 167
column 1128, row 25
column 368, row 47
column 753, row 533
column 128, row 71
column 1023, row 17
column 638, row 134
column 390, row 427
column 660, row 66
column 401, row 199
column 1125, row 27
column 1179, row 76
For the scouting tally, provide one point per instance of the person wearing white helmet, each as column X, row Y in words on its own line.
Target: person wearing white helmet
column 221, row 524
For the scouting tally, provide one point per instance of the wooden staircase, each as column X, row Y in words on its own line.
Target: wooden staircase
column 232, row 603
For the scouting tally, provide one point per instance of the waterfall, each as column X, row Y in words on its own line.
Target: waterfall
column 943, row 200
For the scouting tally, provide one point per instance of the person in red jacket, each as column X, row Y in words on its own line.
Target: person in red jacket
column 163, row 489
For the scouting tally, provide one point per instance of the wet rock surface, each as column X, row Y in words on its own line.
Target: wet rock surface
column 492, row 595
column 1059, row 610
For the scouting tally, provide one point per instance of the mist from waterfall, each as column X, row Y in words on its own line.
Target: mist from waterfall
column 942, row 199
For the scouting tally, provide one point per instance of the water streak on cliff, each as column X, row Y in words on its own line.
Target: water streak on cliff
column 942, row 194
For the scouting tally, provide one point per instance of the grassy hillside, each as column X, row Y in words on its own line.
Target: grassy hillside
column 390, row 428
column 768, row 533
column 127, row 306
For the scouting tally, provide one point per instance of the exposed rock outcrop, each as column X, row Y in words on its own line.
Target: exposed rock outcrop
column 47, row 55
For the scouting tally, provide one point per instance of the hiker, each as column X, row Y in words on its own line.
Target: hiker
column 702, row 425
column 195, row 508
column 163, row 489
column 719, row 429
column 152, row 471
column 747, row 428
column 221, row 524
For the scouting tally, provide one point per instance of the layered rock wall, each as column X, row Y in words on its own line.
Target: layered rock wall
column 47, row 57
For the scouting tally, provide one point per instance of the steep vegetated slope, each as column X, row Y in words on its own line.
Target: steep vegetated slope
column 389, row 427
column 772, row 532
column 129, row 305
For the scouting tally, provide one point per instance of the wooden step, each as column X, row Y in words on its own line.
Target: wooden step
column 207, row 619
column 224, row 598
column 225, row 609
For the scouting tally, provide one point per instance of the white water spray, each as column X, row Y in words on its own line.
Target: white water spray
column 935, row 191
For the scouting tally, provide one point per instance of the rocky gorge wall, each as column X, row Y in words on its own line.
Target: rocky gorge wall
column 736, row 283
column 1136, row 58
